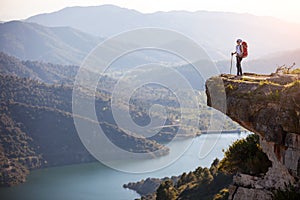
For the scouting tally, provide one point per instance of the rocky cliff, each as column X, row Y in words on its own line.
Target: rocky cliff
column 270, row 107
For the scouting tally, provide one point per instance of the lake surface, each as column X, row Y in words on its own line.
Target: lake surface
column 94, row 181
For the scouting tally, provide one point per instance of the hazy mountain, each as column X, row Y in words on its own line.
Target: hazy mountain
column 29, row 41
column 99, row 20
column 215, row 31
column 64, row 45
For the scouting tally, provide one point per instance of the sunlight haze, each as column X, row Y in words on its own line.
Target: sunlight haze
column 287, row 10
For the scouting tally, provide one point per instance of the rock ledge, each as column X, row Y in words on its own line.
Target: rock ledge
column 268, row 105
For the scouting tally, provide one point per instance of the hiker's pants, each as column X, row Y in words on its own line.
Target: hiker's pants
column 239, row 66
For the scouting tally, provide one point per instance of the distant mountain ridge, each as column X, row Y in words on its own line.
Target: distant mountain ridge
column 61, row 44
column 30, row 41
column 215, row 31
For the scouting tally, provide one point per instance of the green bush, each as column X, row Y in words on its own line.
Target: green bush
column 166, row 191
column 245, row 156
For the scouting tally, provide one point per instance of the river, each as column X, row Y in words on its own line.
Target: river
column 94, row 181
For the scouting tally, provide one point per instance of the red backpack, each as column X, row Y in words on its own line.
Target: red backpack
column 245, row 49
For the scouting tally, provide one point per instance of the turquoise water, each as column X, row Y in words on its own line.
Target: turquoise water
column 94, row 181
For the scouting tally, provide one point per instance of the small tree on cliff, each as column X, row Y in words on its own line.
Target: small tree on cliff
column 166, row 191
column 245, row 156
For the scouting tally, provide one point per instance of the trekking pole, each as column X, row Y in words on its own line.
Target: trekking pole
column 231, row 63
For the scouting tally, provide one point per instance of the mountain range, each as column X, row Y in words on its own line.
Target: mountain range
column 67, row 36
column 216, row 32
column 30, row 41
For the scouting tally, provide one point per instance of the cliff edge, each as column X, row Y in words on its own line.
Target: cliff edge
column 269, row 106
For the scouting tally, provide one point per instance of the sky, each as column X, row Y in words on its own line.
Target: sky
column 288, row 10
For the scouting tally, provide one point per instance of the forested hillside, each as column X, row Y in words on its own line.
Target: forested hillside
column 37, row 128
column 45, row 72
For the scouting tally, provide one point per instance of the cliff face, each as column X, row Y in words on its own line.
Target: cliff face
column 270, row 107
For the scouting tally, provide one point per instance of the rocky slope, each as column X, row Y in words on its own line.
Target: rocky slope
column 270, row 107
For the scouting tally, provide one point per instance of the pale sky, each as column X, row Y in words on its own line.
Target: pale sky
column 288, row 10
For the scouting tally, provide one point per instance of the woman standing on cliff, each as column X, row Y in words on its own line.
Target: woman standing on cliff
column 239, row 56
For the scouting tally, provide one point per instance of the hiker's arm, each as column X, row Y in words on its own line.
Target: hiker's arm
column 232, row 53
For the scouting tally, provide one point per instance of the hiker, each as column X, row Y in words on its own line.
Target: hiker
column 239, row 56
